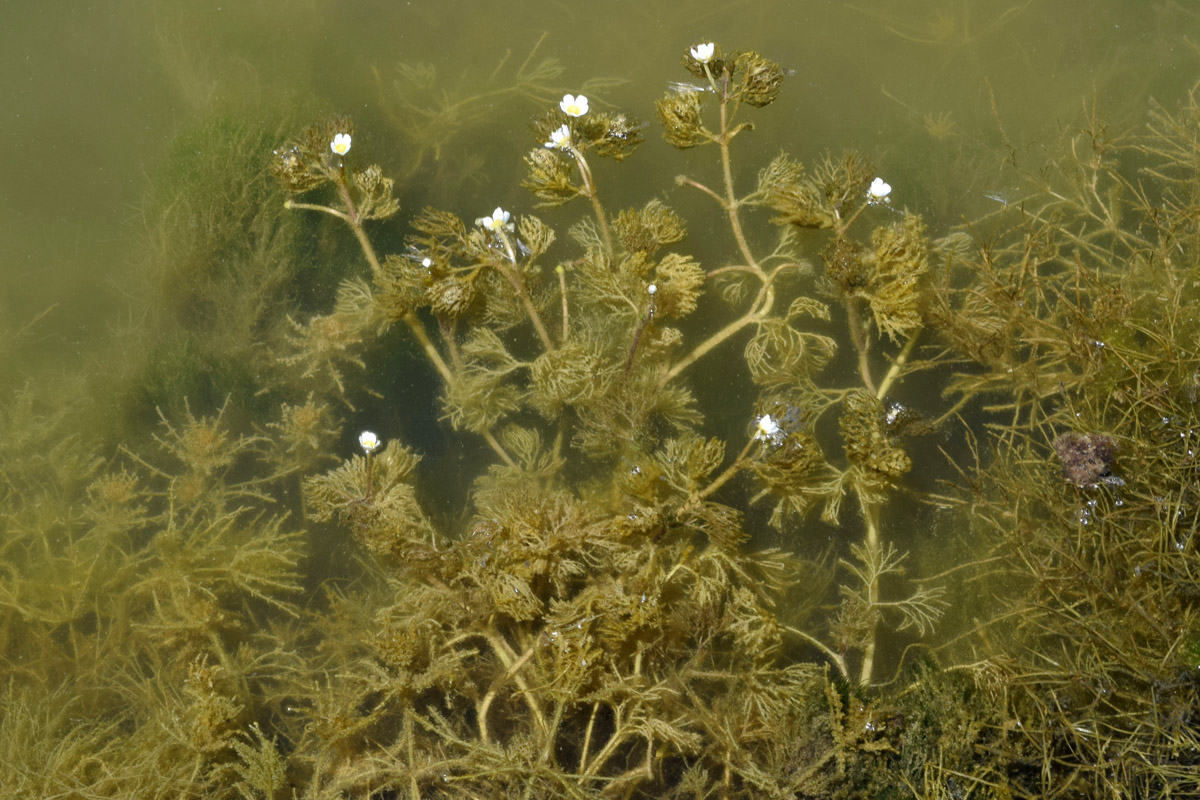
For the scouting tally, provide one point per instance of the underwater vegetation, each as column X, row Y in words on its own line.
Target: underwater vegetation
column 432, row 113
column 636, row 603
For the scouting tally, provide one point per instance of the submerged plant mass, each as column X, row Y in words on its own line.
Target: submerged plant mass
column 636, row 598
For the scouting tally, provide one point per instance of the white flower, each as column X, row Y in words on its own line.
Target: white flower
column 368, row 441
column 340, row 144
column 767, row 430
column 427, row 262
column 497, row 222
column 574, row 106
column 703, row 52
column 879, row 191
column 652, row 289
column 560, row 138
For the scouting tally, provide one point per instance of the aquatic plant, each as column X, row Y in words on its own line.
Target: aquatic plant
column 1076, row 312
column 638, row 602
column 602, row 613
column 432, row 114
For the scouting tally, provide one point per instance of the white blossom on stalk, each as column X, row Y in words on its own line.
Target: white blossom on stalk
column 497, row 222
column 879, row 191
column 340, row 144
column 574, row 106
column 703, row 52
column 560, row 138
column 767, row 430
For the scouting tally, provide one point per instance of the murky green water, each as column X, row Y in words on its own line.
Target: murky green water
column 206, row 588
column 929, row 89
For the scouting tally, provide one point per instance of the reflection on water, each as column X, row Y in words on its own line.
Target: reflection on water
column 577, row 565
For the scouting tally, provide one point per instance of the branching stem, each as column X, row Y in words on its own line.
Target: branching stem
column 730, row 201
column 766, row 296
column 838, row 660
column 513, row 673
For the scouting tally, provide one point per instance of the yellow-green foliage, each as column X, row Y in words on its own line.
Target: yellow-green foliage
column 670, row 561
column 869, row 448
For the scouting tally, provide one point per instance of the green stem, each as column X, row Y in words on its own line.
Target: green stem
column 356, row 223
column 587, row 737
column 871, row 510
column 562, row 290
column 858, row 335
column 369, row 476
column 616, row 739
column 350, row 217
column 837, row 660
column 508, row 248
column 514, row 278
column 711, row 342
column 898, row 364
column 843, row 225
column 729, row 472
column 498, row 448
column 513, row 665
column 683, row 180
column 291, row 204
column 422, row 336
column 589, row 184
column 870, row 513
column 711, row 82
column 731, row 202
